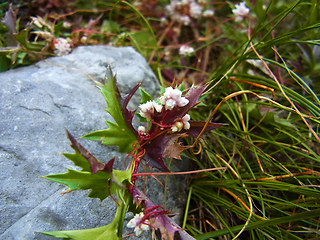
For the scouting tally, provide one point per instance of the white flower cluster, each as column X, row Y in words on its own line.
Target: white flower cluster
column 181, row 124
column 171, row 98
column 138, row 226
column 184, row 10
column 147, row 109
column 62, row 47
column 240, row 12
column 185, row 50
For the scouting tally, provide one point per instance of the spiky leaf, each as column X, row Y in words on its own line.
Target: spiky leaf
column 105, row 232
column 110, row 231
column 145, row 97
column 80, row 180
column 83, row 158
column 121, row 133
column 155, row 150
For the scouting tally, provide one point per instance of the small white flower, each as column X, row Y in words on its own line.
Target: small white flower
column 184, row 2
column 195, row 10
column 84, row 39
column 172, row 93
column 138, row 226
column 157, row 106
column 171, row 98
column 141, row 130
column 177, row 127
column 147, row 109
column 184, row 10
column 184, row 19
column 163, row 21
column 185, row 120
column 62, row 47
column 181, row 102
column 241, row 11
column 208, row 13
column 66, row 24
column 137, row 3
column 170, row 104
column 186, row 50
column 183, row 123
column 170, row 9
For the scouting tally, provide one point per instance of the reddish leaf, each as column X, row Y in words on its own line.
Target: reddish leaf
column 164, row 228
column 154, row 152
column 95, row 164
column 192, row 95
column 128, row 115
column 109, row 166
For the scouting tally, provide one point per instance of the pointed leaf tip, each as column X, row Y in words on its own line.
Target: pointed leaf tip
column 108, row 166
column 121, row 133
column 95, row 164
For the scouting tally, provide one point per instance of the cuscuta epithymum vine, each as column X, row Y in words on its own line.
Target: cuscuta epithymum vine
column 167, row 120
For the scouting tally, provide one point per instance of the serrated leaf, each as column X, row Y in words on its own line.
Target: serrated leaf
column 120, row 180
column 111, row 231
column 174, row 147
column 76, row 180
column 96, row 135
column 166, row 145
column 154, row 152
column 121, row 133
column 116, row 135
column 78, row 160
column 121, row 176
column 94, row 164
column 104, row 232
column 145, row 97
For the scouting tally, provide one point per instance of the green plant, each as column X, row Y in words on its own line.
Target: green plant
column 260, row 67
column 166, row 122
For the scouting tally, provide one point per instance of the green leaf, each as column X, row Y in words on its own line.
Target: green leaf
column 145, row 97
column 105, row 232
column 120, row 133
column 110, row 231
column 120, row 179
column 112, row 96
column 78, row 160
column 75, row 180
column 4, row 63
column 94, row 164
column 96, row 135
column 121, row 176
column 119, row 136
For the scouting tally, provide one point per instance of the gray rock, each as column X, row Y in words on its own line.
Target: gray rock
column 36, row 104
